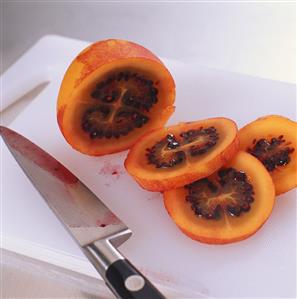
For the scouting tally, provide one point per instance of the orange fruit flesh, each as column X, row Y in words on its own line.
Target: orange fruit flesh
column 160, row 179
column 228, row 228
column 96, row 64
column 284, row 177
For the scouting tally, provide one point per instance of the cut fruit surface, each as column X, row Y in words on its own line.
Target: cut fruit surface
column 273, row 139
column 112, row 93
column 171, row 157
column 228, row 206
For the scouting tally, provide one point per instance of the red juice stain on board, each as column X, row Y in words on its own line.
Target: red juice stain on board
column 109, row 169
column 22, row 146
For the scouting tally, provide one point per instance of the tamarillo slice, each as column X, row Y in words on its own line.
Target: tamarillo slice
column 228, row 206
column 171, row 157
column 112, row 93
column 273, row 140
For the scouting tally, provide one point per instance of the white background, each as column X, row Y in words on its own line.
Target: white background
column 257, row 38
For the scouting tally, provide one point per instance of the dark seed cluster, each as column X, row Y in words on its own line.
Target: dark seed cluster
column 172, row 151
column 230, row 193
column 161, row 154
column 138, row 93
column 273, row 153
column 123, row 101
column 172, row 142
column 95, row 122
column 106, row 94
column 143, row 98
column 209, row 137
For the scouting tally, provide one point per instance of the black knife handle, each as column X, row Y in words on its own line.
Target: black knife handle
column 124, row 280
column 128, row 283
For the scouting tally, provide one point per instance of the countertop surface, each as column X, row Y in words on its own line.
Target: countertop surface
column 251, row 37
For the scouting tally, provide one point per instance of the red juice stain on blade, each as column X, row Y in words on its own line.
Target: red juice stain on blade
column 33, row 153
column 108, row 219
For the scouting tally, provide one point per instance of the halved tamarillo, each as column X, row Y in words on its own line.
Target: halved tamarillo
column 228, row 206
column 112, row 93
column 171, row 157
column 273, row 140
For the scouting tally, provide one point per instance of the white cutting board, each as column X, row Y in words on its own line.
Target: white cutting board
column 261, row 266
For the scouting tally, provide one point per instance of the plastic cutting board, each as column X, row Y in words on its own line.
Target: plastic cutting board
column 262, row 266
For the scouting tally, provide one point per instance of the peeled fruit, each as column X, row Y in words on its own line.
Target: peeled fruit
column 273, row 140
column 171, row 157
column 228, row 206
column 112, row 93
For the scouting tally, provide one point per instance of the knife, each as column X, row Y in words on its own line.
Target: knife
column 94, row 227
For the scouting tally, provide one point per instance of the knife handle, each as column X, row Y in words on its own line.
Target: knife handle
column 128, row 283
column 123, row 279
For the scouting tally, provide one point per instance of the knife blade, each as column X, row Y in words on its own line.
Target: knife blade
column 92, row 225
